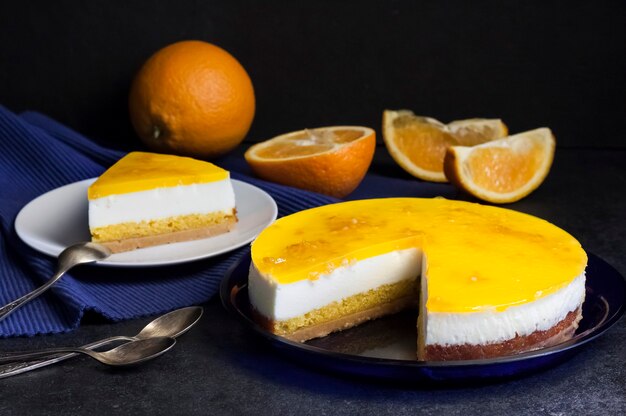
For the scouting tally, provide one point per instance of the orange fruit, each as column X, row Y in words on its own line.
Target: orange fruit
column 418, row 144
column 504, row 170
column 192, row 98
column 328, row 160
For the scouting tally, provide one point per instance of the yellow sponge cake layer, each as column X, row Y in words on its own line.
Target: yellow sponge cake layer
column 477, row 258
column 158, row 226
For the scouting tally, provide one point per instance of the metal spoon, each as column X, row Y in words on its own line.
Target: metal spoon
column 131, row 353
column 172, row 324
column 80, row 253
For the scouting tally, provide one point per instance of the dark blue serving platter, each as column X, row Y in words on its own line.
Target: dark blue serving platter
column 385, row 348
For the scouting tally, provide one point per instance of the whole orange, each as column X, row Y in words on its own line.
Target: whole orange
column 192, row 98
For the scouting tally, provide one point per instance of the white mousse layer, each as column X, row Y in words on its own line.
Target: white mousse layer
column 280, row 302
column 492, row 327
column 162, row 203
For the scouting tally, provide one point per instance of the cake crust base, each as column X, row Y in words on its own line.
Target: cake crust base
column 129, row 244
column 560, row 332
column 345, row 322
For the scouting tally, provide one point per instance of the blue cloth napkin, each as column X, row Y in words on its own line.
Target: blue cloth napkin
column 37, row 155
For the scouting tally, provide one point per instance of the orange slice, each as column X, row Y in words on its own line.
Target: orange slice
column 328, row 160
column 504, row 170
column 418, row 144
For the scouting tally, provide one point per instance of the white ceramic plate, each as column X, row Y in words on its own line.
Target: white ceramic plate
column 59, row 218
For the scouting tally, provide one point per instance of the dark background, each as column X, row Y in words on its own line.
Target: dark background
column 560, row 64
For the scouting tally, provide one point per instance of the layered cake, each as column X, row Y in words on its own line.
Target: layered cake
column 488, row 281
column 147, row 199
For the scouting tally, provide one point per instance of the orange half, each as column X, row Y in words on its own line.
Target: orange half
column 328, row 160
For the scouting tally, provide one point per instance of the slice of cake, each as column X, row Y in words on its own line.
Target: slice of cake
column 147, row 199
column 491, row 281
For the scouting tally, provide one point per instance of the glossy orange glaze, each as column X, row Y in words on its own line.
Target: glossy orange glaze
column 139, row 171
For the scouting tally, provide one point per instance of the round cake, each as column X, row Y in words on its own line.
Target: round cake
column 487, row 281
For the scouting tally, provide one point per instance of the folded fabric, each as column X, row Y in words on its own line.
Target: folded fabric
column 39, row 155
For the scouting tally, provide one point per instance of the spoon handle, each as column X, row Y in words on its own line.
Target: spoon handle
column 9, row 308
column 11, row 369
column 38, row 354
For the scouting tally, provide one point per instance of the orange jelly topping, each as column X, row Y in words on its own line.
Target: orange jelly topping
column 140, row 171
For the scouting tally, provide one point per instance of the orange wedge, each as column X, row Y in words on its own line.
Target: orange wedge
column 418, row 144
column 328, row 160
column 504, row 170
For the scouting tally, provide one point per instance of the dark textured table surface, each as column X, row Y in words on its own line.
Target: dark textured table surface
column 219, row 367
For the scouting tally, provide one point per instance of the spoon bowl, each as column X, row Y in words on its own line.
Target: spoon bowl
column 172, row 324
column 133, row 352
column 81, row 253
